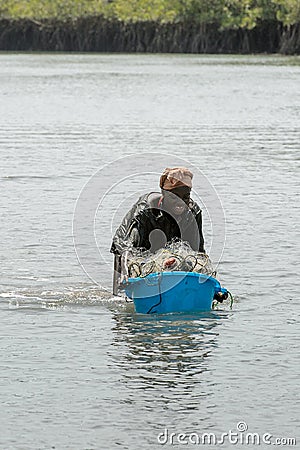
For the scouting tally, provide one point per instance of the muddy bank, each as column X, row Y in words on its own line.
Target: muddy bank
column 97, row 34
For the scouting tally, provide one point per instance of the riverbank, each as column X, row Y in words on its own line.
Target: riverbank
column 99, row 34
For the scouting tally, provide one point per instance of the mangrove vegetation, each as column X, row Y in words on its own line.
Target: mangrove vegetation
column 191, row 26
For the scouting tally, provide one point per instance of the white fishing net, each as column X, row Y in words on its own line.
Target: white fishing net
column 175, row 256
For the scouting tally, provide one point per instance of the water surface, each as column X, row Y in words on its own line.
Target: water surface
column 79, row 370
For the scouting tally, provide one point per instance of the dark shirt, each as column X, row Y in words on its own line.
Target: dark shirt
column 146, row 215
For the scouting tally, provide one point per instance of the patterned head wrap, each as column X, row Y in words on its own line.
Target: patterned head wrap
column 175, row 177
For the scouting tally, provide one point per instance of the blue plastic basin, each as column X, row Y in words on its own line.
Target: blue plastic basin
column 169, row 292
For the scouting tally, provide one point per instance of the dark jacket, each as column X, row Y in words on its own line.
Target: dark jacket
column 146, row 216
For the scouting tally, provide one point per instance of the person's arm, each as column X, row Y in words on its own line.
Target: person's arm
column 201, row 238
column 134, row 228
column 130, row 234
column 125, row 235
column 133, row 238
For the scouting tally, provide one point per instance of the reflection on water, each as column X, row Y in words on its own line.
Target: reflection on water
column 164, row 358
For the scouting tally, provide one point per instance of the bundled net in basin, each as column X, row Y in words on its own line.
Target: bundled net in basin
column 175, row 256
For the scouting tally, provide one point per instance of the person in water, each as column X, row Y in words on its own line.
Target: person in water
column 157, row 218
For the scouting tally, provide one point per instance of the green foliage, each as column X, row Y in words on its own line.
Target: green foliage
column 203, row 11
column 246, row 13
column 41, row 9
column 226, row 13
column 143, row 10
column 288, row 11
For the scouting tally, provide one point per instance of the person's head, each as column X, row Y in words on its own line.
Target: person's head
column 176, row 184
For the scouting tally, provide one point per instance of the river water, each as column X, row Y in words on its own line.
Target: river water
column 80, row 370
